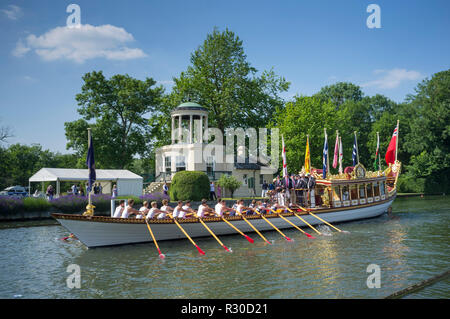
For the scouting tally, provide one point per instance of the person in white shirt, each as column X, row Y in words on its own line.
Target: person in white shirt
column 165, row 208
column 204, row 209
column 154, row 211
column 179, row 211
column 119, row 209
column 240, row 208
column 129, row 210
column 143, row 210
column 187, row 210
column 221, row 208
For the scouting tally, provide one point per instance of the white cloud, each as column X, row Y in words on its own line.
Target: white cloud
column 391, row 79
column 13, row 12
column 80, row 44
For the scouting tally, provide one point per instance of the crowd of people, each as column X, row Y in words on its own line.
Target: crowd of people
column 295, row 189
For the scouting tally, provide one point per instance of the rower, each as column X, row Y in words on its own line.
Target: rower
column 129, row 210
column 143, row 210
column 179, row 211
column 119, row 209
column 165, row 208
column 187, row 210
column 153, row 211
column 204, row 209
column 221, row 208
column 240, row 208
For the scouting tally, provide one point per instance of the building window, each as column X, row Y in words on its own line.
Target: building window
column 167, row 164
column 210, row 166
column 244, row 177
column 261, row 179
column 180, row 164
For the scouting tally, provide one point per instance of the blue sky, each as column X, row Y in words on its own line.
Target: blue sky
column 310, row 43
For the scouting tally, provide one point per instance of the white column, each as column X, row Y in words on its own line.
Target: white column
column 206, row 127
column 201, row 128
column 173, row 130
column 179, row 129
column 190, row 129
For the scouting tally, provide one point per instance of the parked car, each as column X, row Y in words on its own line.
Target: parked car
column 14, row 191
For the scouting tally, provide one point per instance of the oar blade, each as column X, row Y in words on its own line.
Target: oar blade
column 162, row 256
column 288, row 239
column 249, row 239
column 309, row 236
column 200, row 250
column 226, row 248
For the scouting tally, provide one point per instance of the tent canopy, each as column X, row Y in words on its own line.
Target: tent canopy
column 70, row 174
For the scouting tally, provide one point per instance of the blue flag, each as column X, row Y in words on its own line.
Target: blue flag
column 355, row 153
column 325, row 154
column 90, row 162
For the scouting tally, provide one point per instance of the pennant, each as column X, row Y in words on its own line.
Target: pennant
column 341, row 156
column 376, row 153
column 355, row 152
column 325, row 154
column 307, row 157
column 336, row 150
column 90, row 162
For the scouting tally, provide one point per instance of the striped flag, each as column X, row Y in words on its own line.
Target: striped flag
column 325, row 155
column 355, row 152
column 307, row 157
column 376, row 153
column 341, row 156
column 336, row 150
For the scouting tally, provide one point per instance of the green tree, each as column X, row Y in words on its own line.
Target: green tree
column 118, row 109
column 341, row 92
column 221, row 79
column 229, row 182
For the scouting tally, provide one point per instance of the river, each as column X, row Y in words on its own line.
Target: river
column 408, row 246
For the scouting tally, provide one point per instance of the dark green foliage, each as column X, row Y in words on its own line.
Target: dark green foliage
column 189, row 185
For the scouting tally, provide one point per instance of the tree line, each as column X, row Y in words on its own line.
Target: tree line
column 130, row 118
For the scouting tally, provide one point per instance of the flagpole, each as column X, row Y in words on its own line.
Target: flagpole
column 89, row 145
column 396, row 142
column 357, row 152
column 328, row 157
column 378, row 151
column 340, row 157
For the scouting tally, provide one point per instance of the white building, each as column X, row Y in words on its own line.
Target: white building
column 189, row 151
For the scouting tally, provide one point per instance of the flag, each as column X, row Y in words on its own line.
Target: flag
column 285, row 174
column 90, row 162
column 336, row 150
column 307, row 157
column 341, row 156
column 376, row 153
column 355, row 152
column 325, row 154
column 390, row 154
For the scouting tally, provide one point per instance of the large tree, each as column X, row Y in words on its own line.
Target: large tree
column 118, row 111
column 221, row 79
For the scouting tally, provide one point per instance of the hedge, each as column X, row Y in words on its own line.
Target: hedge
column 192, row 185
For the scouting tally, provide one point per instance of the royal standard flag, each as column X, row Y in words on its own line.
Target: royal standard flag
column 307, row 157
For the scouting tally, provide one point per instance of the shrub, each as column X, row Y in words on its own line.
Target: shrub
column 191, row 185
column 70, row 203
column 10, row 204
column 33, row 204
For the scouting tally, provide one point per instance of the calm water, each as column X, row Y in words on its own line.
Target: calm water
column 410, row 245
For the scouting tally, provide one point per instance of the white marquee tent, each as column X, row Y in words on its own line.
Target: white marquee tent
column 127, row 182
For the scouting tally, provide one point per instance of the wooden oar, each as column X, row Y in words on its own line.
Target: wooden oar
column 304, row 221
column 250, row 224
column 235, row 228
column 214, row 235
column 287, row 220
column 281, row 233
column 161, row 255
column 186, row 234
column 322, row 220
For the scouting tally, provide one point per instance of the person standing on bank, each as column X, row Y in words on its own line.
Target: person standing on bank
column 165, row 188
column 264, row 187
column 212, row 191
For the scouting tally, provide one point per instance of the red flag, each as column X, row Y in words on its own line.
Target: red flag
column 390, row 154
column 336, row 150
